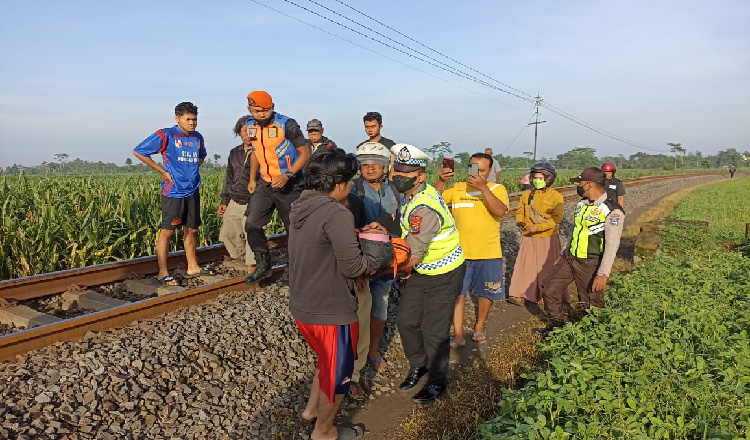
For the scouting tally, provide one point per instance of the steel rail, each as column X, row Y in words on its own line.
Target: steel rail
column 73, row 329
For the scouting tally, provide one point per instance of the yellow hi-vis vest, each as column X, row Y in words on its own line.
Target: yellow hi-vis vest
column 588, row 234
column 444, row 251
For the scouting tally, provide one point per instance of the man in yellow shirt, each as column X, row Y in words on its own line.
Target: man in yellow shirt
column 477, row 206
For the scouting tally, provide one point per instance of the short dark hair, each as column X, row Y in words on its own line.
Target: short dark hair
column 240, row 123
column 373, row 116
column 185, row 107
column 483, row 156
column 329, row 167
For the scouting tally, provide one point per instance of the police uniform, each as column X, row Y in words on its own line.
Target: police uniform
column 591, row 252
column 429, row 295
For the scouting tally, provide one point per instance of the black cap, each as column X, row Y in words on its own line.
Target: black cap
column 590, row 174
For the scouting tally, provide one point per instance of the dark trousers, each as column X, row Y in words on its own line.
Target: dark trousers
column 424, row 319
column 260, row 210
column 567, row 270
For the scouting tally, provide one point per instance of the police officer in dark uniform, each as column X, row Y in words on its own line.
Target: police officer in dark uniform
column 436, row 272
column 588, row 258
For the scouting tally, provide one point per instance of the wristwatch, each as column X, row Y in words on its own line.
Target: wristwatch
column 289, row 174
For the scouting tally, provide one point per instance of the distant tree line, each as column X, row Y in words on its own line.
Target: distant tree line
column 577, row 158
column 582, row 157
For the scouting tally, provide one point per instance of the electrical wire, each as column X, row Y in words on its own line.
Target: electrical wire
column 386, row 56
column 518, row 134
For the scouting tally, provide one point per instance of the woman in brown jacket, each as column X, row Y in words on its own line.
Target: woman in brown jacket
column 540, row 210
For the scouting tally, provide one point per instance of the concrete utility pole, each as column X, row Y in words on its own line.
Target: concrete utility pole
column 537, row 122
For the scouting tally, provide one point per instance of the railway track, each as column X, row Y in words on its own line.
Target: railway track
column 34, row 287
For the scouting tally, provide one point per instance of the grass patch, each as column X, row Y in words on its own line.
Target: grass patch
column 667, row 358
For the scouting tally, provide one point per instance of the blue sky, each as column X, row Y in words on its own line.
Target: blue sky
column 92, row 79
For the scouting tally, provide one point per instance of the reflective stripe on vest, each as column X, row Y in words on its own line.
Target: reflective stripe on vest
column 274, row 151
column 588, row 234
column 444, row 252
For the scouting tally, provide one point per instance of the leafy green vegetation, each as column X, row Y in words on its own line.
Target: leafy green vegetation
column 667, row 358
column 58, row 222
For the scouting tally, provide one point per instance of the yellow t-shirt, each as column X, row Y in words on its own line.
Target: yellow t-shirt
column 478, row 230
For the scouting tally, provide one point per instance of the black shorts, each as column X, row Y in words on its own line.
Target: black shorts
column 181, row 212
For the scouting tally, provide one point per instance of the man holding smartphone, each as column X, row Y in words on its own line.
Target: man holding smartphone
column 477, row 206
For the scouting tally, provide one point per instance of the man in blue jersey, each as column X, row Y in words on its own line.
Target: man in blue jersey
column 183, row 152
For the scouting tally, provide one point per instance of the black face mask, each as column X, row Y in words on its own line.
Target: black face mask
column 404, row 184
column 580, row 190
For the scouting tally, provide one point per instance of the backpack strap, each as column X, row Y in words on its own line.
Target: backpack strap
column 359, row 184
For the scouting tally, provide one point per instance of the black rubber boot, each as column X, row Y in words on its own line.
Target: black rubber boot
column 263, row 268
column 553, row 324
column 284, row 280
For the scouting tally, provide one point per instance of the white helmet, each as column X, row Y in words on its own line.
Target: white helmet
column 374, row 152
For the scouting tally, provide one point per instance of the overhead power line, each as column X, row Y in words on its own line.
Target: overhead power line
column 410, row 52
column 385, row 56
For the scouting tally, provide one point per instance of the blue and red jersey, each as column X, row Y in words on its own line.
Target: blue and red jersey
column 182, row 153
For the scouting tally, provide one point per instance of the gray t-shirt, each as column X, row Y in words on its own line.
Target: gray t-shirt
column 496, row 168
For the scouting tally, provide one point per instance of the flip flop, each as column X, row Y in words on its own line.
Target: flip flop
column 380, row 366
column 165, row 281
column 358, row 395
column 350, row 432
column 456, row 344
column 479, row 337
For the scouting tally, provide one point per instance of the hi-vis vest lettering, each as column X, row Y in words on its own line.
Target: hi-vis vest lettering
column 275, row 153
column 588, row 233
column 444, row 252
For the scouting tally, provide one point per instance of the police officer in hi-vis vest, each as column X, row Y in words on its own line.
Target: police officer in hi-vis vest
column 436, row 271
column 280, row 153
column 588, row 258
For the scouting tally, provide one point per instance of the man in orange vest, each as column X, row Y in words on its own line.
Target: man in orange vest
column 280, row 153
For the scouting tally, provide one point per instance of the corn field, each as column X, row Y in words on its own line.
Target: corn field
column 58, row 222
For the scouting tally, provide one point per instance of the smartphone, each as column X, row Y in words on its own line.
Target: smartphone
column 449, row 162
column 474, row 169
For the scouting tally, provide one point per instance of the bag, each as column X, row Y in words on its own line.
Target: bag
column 535, row 216
column 383, row 250
column 376, row 248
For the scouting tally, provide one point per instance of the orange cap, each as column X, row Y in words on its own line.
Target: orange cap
column 260, row 98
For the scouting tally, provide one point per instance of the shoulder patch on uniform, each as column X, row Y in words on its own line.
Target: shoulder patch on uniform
column 614, row 219
column 415, row 222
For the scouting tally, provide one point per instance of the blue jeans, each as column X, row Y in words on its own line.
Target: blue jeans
column 381, row 289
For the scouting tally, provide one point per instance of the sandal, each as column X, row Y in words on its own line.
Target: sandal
column 456, row 344
column 380, row 366
column 165, row 281
column 350, row 432
column 516, row 301
column 205, row 271
column 479, row 337
column 358, row 394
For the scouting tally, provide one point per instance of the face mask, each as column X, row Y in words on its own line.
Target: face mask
column 580, row 190
column 539, row 183
column 404, row 184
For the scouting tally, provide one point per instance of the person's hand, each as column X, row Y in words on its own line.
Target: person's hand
column 166, row 176
column 360, row 284
column 599, row 284
column 531, row 228
column 222, row 209
column 375, row 228
column 251, row 186
column 445, row 174
column 279, row 181
column 476, row 181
